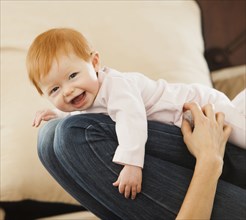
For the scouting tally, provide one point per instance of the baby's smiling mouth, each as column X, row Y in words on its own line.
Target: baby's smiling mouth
column 78, row 99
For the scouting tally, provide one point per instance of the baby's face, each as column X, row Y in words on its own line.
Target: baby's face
column 71, row 84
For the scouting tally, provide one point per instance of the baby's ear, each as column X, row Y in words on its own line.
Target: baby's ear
column 96, row 61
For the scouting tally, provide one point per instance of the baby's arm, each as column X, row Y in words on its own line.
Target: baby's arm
column 126, row 107
column 129, row 181
column 45, row 115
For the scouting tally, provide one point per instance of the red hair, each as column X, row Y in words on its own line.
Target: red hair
column 49, row 46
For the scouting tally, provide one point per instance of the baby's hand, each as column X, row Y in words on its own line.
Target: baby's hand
column 129, row 181
column 43, row 115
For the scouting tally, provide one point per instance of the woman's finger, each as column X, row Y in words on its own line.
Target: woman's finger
column 208, row 110
column 185, row 127
column 227, row 131
column 220, row 118
column 195, row 110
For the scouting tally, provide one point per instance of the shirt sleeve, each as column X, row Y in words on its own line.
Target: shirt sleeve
column 126, row 107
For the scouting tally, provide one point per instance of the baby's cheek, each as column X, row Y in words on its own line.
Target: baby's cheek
column 58, row 103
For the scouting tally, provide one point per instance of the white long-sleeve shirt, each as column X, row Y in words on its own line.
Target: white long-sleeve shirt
column 131, row 99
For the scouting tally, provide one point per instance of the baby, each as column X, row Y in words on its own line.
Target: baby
column 64, row 68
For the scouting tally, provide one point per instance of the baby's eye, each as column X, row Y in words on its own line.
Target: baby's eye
column 72, row 75
column 53, row 90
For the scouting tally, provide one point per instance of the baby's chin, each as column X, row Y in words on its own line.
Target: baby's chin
column 70, row 109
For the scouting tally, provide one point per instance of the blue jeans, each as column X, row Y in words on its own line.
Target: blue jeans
column 78, row 152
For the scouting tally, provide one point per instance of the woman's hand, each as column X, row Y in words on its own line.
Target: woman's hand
column 209, row 135
column 129, row 181
column 43, row 115
column 206, row 141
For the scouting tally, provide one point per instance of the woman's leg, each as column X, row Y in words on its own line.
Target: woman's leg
column 84, row 146
column 50, row 162
column 175, row 151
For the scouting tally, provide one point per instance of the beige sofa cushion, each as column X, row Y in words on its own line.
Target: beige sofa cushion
column 161, row 39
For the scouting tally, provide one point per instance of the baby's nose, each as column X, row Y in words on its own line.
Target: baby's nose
column 68, row 92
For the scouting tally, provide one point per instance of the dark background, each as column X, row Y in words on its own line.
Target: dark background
column 224, row 26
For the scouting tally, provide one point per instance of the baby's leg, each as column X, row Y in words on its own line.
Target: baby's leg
column 240, row 101
column 235, row 116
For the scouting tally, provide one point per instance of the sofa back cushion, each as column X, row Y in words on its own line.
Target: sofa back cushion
column 161, row 39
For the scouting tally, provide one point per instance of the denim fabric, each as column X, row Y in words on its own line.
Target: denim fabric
column 78, row 152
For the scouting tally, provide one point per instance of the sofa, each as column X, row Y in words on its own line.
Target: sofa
column 161, row 39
